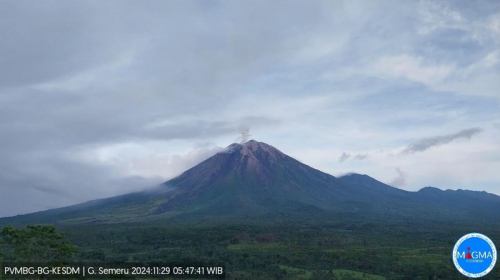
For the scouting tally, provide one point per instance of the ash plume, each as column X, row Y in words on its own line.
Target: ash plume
column 245, row 133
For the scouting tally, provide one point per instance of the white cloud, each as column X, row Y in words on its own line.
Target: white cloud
column 436, row 15
column 442, row 16
column 480, row 78
column 413, row 68
column 151, row 159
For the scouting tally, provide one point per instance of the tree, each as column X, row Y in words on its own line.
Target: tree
column 34, row 244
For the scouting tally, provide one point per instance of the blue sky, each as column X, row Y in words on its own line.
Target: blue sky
column 99, row 98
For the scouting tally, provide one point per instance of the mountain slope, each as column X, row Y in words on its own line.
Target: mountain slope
column 252, row 175
column 255, row 179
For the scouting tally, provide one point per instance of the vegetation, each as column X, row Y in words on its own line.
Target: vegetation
column 34, row 244
column 299, row 250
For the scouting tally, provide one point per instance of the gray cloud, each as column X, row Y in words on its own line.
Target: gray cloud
column 344, row 157
column 400, row 180
column 427, row 143
column 75, row 76
column 38, row 182
column 361, row 157
column 496, row 125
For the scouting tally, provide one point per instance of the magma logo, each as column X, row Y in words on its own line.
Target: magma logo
column 474, row 255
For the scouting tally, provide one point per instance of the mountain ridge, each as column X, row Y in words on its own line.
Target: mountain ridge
column 256, row 179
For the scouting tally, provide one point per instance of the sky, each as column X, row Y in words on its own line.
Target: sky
column 101, row 98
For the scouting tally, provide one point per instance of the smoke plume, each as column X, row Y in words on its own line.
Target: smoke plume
column 245, row 133
column 400, row 180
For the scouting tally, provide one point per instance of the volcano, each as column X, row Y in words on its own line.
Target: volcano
column 252, row 175
column 255, row 179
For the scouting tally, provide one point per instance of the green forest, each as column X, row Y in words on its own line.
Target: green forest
column 250, row 250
